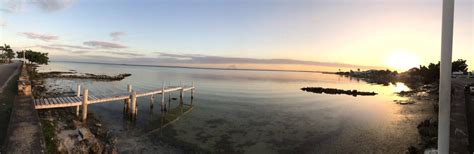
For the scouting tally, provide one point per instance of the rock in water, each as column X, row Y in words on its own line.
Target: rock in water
column 321, row 90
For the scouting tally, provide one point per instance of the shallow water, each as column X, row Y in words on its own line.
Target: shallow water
column 253, row 112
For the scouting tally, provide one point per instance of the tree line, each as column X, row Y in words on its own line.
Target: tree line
column 36, row 57
column 430, row 73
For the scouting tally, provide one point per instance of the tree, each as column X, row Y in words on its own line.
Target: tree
column 7, row 52
column 460, row 66
column 35, row 57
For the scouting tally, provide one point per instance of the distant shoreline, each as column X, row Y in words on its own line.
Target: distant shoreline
column 206, row 68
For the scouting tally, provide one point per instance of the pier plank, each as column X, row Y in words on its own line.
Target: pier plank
column 66, row 101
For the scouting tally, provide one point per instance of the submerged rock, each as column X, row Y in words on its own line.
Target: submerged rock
column 321, row 90
column 74, row 75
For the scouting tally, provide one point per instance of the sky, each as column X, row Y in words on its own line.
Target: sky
column 279, row 34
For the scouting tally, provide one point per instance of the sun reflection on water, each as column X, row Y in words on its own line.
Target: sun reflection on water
column 398, row 87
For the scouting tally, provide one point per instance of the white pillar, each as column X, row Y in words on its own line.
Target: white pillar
column 78, row 94
column 445, row 77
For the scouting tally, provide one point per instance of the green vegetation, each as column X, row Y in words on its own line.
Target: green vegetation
column 373, row 76
column 7, row 53
column 34, row 57
column 430, row 74
column 413, row 77
column 48, row 132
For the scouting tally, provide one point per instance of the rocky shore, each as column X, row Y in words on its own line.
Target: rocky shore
column 428, row 128
column 333, row 91
column 75, row 75
column 64, row 132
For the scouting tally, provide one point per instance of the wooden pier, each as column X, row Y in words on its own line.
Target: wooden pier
column 130, row 99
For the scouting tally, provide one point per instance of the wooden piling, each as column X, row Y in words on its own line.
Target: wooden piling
column 78, row 94
column 85, row 101
column 181, row 92
column 133, row 98
column 192, row 91
column 163, row 105
column 127, row 101
column 152, row 101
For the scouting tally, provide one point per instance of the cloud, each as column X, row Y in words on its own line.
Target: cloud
column 14, row 6
column 43, row 37
column 80, row 51
column 53, row 5
column 70, row 46
column 116, row 35
column 52, row 48
column 204, row 59
column 104, row 45
column 124, row 53
column 3, row 23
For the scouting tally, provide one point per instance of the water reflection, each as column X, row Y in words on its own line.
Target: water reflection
column 254, row 112
column 399, row 86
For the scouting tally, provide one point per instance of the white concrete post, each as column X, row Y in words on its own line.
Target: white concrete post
column 85, row 101
column 78, row 94
column 445, row 77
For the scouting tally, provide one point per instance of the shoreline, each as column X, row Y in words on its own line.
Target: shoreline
column 205, row 68
column 173, row 146
column 63, row 131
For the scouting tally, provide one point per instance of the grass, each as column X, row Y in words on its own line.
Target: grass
column 6, row 103
column 48, row 132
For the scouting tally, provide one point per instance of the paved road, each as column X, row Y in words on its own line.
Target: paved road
column 7, row 70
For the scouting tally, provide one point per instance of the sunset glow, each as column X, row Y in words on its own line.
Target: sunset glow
column 403, row 61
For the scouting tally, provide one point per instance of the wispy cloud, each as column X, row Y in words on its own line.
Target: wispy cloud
column 53, row 5
column 14, row 6
column 205, row 59
column 43, row 37
column 104, row 45
column 116, row 36
column 124, row 53
column 3, row 23
column 80, row 51
column 52, row 48
column 70, row 46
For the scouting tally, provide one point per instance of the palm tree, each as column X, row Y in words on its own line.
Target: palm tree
column 2, row 55
column 9, row 54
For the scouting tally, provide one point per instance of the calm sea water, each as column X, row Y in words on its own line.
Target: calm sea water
column 253, row 112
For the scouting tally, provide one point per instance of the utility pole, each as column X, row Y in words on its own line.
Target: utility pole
column 445, row 77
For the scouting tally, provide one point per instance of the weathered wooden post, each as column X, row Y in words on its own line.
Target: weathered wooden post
column 163, row 105
column 134, row 104
column 181, row 92
column 192, row 91
column 181, row 100
column 152, row 100
column 78, row 94
column 85, row 101
column 127, row 101
column 169, row 96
